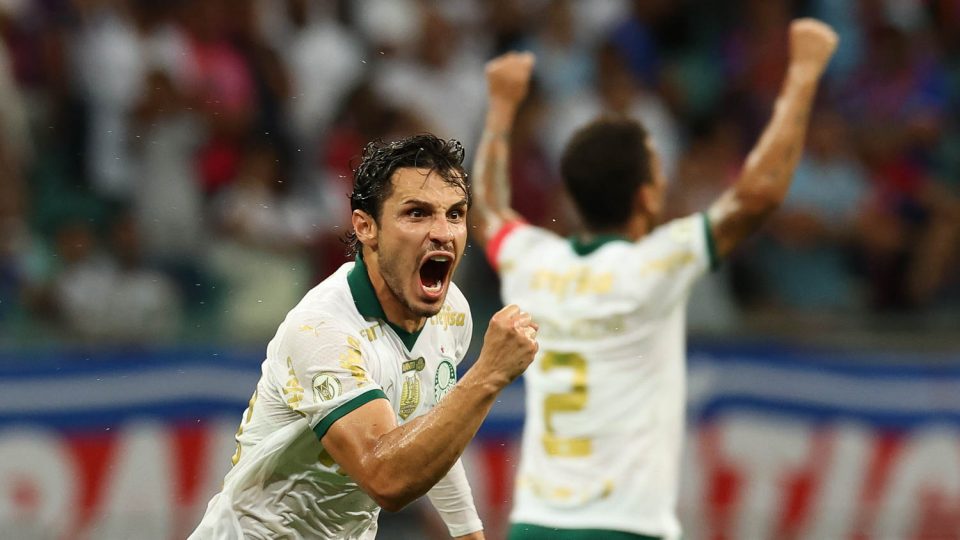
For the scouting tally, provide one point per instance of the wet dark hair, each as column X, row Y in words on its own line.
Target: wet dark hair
column 603, row 166
column 372, row 179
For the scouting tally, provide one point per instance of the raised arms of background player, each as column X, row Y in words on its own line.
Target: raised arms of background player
column 768, row 171
column 761, row 187
column 508, row 79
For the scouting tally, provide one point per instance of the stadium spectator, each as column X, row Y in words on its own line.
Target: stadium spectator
column 567, row 68
column 811, row 253
column 223, row 83
column 618, row 91
column 14, row 154
column 118, row 45
column 107, row 295
column 438, row 80
column 259, row 256
column 167, row 201
column 154, row 104
column 309, row 31
column 711, row 161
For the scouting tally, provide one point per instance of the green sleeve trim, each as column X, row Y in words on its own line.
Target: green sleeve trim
column 346, row 409
column 711, row 243
column 528, row 531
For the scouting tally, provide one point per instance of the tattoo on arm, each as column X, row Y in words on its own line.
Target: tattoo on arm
column 501, row 178
column 765, row 179
column 491, row 182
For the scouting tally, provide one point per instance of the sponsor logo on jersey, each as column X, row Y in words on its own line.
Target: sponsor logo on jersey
column 578, row 280
column 670, row 263
column 444, row 379
column 326, row 386
column 448, row 317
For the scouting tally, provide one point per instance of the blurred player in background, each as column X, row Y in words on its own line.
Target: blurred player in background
column 357, row 407
column 605, row 396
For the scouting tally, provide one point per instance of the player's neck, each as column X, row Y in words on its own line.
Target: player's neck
column 396, row 312
column 636, row 228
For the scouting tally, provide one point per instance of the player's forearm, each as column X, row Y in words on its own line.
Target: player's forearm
column 412, row 458
column 491, row 170
column 768, row 172
column 770, row 165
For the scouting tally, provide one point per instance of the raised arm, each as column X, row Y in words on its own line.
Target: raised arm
column 395, row 465
column 768, row 171
column 508, row 79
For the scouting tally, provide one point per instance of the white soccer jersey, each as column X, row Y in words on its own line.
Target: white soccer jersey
column 605, row 395
column 333, row 353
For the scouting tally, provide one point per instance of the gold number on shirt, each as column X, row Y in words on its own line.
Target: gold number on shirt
column 243, row 421
column 565, row 402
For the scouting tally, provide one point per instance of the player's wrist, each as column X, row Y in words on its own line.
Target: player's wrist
column 502, row 110
column 805, row 72
column 490, row 135
column 488, row 382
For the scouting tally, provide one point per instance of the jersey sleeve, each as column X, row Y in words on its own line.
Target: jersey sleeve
column 505, row 242
column 327, row 373
column 514, row 243
column 666, row 264
column 453, row 499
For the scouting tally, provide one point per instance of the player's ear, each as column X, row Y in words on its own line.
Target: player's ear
column 643, row 202
column 649, row 199
column 650, row 195
column 365, row 227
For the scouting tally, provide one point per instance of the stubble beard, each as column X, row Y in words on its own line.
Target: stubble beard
column 391, row 276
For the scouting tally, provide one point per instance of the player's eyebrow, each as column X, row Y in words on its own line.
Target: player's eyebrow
column 416, row 202
column 462, row 203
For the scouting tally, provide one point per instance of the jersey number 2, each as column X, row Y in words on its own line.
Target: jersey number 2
column 565, row 402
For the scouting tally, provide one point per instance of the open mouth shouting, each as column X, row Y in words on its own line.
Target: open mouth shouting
column 435, row 273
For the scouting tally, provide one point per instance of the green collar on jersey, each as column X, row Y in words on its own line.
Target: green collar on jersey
column 711, row 242
column 585, row 248
column 365, row 298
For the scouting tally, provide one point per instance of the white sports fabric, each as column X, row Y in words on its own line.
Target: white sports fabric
column 333, row 353
column 605, row 395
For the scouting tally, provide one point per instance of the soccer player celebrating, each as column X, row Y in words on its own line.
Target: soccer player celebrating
column 358, row 406
column 605, row 395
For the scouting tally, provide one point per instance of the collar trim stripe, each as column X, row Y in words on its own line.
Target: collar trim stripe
column 583, row 248
column 365, row 298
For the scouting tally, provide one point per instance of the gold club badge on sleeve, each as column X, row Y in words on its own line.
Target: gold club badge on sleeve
column 410, row 393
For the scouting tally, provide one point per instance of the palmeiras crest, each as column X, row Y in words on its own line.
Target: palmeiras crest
column 443, row 379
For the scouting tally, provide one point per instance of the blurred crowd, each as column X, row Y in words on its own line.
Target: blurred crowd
column 178, row 169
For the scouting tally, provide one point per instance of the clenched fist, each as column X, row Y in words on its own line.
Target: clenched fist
column 508, row 77
column 811, row 45
column 508, row 345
